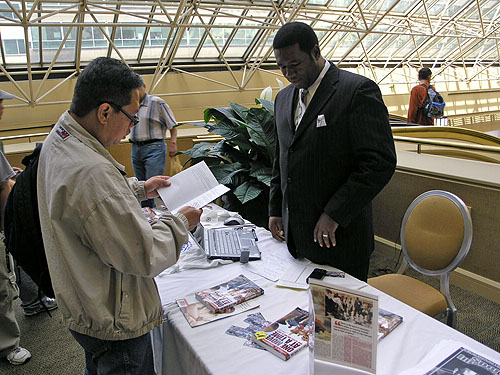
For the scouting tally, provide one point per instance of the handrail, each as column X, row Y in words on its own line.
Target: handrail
column 466, row 146
column 10, row 137
column 419, row 141
column 469, row 135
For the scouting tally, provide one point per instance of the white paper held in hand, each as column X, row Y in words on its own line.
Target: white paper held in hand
column 195, row 186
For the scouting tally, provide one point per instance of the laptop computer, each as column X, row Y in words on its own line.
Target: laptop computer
column 227, row 243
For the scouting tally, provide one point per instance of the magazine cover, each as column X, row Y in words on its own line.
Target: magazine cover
column 198, row 314
column 465, row 362
column 345, row 329
column 286, row 336
column 387, row 321
column 230, row 293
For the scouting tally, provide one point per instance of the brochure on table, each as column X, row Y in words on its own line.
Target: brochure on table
column 195, row 186
column 346, row 325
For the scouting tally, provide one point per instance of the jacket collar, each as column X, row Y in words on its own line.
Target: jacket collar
column 73, row 128
column 146, row 101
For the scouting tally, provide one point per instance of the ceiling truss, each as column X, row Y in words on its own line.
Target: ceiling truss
column 44, row 39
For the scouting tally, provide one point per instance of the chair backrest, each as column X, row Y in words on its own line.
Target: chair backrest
column 436, row 232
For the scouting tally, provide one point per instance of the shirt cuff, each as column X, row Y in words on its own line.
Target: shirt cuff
column 184, row 220
column 137, row 188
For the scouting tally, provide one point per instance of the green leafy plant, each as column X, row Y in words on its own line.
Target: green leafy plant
column 243, row 159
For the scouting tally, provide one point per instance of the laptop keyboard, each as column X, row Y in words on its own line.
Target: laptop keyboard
column 226, row 242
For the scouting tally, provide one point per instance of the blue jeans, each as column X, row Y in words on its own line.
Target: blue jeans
column 28, row 291
column 148, row 161
column 124, row 357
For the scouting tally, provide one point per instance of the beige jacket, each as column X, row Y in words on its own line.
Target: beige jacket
column 101, row 250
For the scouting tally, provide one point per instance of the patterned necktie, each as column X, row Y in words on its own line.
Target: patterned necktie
column 302, row 105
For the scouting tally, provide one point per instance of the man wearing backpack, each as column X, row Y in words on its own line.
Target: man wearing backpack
column 101, row 251
column 9, row 329
column 416, row 114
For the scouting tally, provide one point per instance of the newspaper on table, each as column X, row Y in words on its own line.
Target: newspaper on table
column 466, row 362
column 346, row 325
column 195, row 186
column 452, row 357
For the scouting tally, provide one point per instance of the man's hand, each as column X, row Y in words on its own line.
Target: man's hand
column 17, row 170
column 172, row 148
column 324, row 231
column 276, row 227
column 192, row 215
column 154, row 183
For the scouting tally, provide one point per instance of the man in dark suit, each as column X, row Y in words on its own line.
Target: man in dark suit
column 334, row 153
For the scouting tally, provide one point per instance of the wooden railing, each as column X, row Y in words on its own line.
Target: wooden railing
column 457, row 145
column 446, row 132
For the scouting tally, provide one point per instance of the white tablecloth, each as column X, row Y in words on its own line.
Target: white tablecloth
column 180, row 349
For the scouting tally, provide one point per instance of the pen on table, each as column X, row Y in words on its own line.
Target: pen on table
column 254, row 235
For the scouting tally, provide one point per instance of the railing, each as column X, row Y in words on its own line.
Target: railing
column 208, row 138
column 446, row 132
column 22, row 136
column 458, row 145
column 474, row 118
column 428, row 131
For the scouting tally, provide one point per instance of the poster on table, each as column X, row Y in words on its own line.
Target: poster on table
column 346, row 325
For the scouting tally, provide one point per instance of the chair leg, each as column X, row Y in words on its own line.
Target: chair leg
column 451, row 311
column 451, row 317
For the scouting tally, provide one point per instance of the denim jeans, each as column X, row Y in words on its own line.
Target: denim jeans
column 148, row 161
column 28, row 291
column 124, row 357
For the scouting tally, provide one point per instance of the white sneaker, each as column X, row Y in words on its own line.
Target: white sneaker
column 19, row 356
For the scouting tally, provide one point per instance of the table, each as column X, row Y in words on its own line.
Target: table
column 180, row 349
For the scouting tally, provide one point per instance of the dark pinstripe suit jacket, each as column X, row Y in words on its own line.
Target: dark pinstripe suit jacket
column 337, row 169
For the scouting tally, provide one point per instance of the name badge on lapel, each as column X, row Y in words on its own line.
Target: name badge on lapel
column 320, row 122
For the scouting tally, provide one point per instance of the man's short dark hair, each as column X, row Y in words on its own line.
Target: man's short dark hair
column 424, row 73
column 104, row 80
column 296, row 32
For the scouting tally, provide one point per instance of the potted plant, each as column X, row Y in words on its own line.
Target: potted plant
column 243, row 159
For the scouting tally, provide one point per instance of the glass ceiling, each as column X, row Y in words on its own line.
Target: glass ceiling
column 55, row 39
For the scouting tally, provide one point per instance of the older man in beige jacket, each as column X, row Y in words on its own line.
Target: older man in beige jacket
column 102, row 252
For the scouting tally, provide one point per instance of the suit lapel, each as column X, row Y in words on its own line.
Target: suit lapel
column 291, row 111
column 325, row 90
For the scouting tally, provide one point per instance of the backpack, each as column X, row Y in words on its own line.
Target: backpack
column 23, row 235
column 433, row 103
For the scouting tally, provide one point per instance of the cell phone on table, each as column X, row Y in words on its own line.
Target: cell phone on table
column 320, row 273
column 317, row 273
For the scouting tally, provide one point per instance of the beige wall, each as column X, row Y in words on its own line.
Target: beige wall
column 189, row 96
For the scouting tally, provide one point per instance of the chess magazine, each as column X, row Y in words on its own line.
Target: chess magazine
column 197, row 314
column 233, row 292
column 287, row 335
column 387, row 322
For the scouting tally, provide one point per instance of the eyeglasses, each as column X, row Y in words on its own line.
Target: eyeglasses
column 134, row 119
